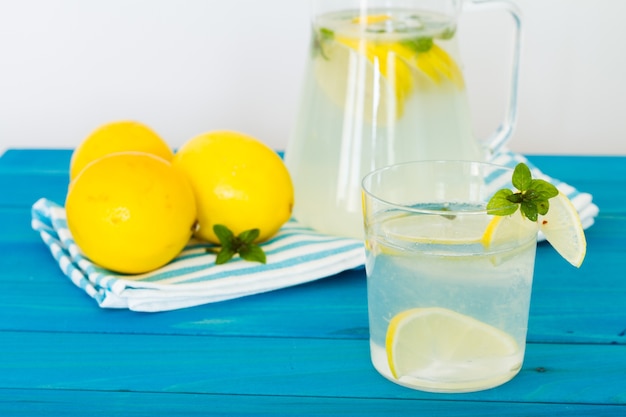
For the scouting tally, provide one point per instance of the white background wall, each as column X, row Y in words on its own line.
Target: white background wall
column 188, row 66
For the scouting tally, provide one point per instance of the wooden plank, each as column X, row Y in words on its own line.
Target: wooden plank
column 75, row 403
column 581, row 168
column 23, row 189
column 15, row 225
column 335, row 307
column 565, row 167
column 36, row 160
column 553, row 373
column 589, row 174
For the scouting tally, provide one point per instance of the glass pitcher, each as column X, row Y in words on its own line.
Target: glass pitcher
column 383, row 85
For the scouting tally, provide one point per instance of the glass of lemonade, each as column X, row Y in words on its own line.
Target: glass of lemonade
column 449, row 285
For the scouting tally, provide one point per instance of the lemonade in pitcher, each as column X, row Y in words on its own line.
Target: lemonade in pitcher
column 379, row 89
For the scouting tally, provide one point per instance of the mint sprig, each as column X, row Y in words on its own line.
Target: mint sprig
column 242, row 244
column 321, row 39
column 419, row 44
column 532, row 196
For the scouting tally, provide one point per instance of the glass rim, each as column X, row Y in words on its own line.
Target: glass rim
column 430, row 211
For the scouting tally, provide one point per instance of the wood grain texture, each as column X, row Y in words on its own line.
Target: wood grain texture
column 78, row 403
column 283, row 366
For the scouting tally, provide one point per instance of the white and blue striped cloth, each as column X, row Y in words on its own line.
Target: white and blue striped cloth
column 294, row 256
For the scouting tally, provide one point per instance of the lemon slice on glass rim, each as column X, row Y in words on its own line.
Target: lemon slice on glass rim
column 561, row 227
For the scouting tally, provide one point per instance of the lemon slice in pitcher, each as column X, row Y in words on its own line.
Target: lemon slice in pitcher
column 400, row 62
column 380, row 99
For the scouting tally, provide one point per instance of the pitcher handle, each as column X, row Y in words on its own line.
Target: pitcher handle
column 503, row 133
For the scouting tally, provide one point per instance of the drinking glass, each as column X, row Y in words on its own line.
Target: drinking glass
column 448, row 284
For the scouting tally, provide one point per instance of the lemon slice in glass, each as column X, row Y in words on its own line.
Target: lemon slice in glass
column 562, row 228
column 420, row 339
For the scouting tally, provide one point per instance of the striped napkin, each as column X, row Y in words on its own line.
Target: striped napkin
column 294, row 256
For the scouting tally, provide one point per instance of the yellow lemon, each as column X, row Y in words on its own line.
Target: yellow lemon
column 563, row 229
column 130, row 212
column 118, row 136
column 423, row 337
column 238, row 181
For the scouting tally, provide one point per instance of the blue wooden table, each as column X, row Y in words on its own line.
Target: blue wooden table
column 301, row 350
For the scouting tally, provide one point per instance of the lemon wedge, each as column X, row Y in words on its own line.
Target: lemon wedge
column 507, row 229
column 422, row 338
column 562, row 228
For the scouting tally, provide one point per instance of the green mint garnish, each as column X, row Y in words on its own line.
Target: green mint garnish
column 448, row 33
column 421, row 44
column 532, row 196
column 243, row 244
column 324, row 36
column 326, row 33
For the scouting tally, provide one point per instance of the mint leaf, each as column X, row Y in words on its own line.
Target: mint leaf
column 224, row 234
column 324, row 36
column 243, row 244
column 529, row 209
column 532, row 196
column 420, row 44
column 522, row 177
column 253, row 253
column 249, row 236
column 543, row 207
column 326, row 33
column 544, row 189
column 224, row 255
column 500, row 205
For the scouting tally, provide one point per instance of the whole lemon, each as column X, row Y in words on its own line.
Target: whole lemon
column 130, row 212
column 119, row 136
column 238, row 182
